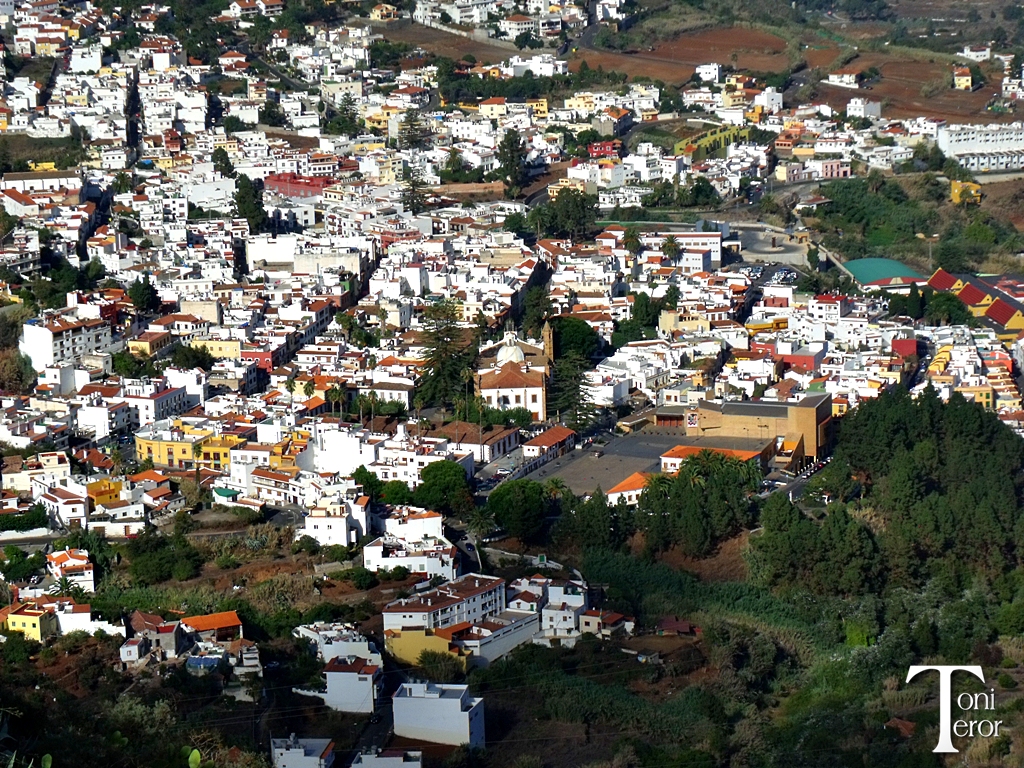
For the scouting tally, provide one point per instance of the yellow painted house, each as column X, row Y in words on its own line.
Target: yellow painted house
column 229, row 349
column 407, row 645
column 176, row 448
column 34, row 623
column 967, row 192
column 103, row 492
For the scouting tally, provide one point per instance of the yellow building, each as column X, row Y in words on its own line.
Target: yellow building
column 583, row 102
column 176, row 448
column 383, row 12
column 103, row 492
column 227, row 349
column 962, row 79
column 805, row 425
column 580, row 185
column 966, row 192
column 285, row 454
column 34, row 623
column 407, row 645
column 982, row 394
column 539, row 107
column 149, row 343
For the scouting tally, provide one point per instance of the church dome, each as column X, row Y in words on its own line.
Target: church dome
column 510, row 351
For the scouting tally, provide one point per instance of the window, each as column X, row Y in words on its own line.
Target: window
column 519, row 399
column 533, row 398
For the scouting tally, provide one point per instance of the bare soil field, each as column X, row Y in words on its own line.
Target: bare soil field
column 446, row 44
column 674, row 61
column 819, row 55
column 901, row 84
column 1006, row 200
column 726, row 564
column 754, row 49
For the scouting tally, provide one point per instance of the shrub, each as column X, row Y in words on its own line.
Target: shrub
column 226, row 562
column 363, row 579
column 185, row 569
column 306, row 544
column 1008, row 663
column 1006, row 682
column 335, row 553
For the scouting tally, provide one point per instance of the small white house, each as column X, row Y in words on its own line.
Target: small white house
column 353, row 684
column 710, row 73
column 439, row 713
column 294, row 752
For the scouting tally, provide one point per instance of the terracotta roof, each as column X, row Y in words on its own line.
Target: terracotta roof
column 551, row 437
column 212, row 621
column 634, row 482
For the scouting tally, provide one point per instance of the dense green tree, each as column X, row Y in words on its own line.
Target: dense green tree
column 396, row 492
column 414, row 198
column 222, row 163
column 537, row 308
column 519, row 508
column 413, row 134
column 188, row 357
column 444, row 488
column 249, row 203
column 573, row 335
column 143, row 295
column 372, row 485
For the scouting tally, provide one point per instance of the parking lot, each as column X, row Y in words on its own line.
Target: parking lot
column 583, row 471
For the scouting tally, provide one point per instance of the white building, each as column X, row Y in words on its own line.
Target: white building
column 73, row 565
column 302, row 753
column 438, row 713
column 466, row 600
column 710, row 73
column 352, row 685
column 390, row 758
column 863, row 108
column 334, row 640
column 57, row 339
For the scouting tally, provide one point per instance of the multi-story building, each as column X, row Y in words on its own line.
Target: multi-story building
column 438, row 713
column 468, row 599
column 55, row 339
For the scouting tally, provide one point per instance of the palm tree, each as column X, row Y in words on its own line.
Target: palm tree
column 670, row 248
column 361, row 401
column 197, row 451
column 418, row 403
column 555, row 488
column 466, row 374
column 479, row 523
column 631, row 241
column 309, row 388
column 289, row 386
column 118, row 459
column 333, row 397
column 65, row 587
column 659, row 485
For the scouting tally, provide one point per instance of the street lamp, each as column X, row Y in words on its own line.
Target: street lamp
column 933, row 239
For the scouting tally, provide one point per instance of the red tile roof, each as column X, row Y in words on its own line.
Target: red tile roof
column 942, row 280
column 1001, row 311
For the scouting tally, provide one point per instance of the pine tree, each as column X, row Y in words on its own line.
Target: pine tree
column 510, row 162
column 414, row 199
column 413, row 134
column 569, row 394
